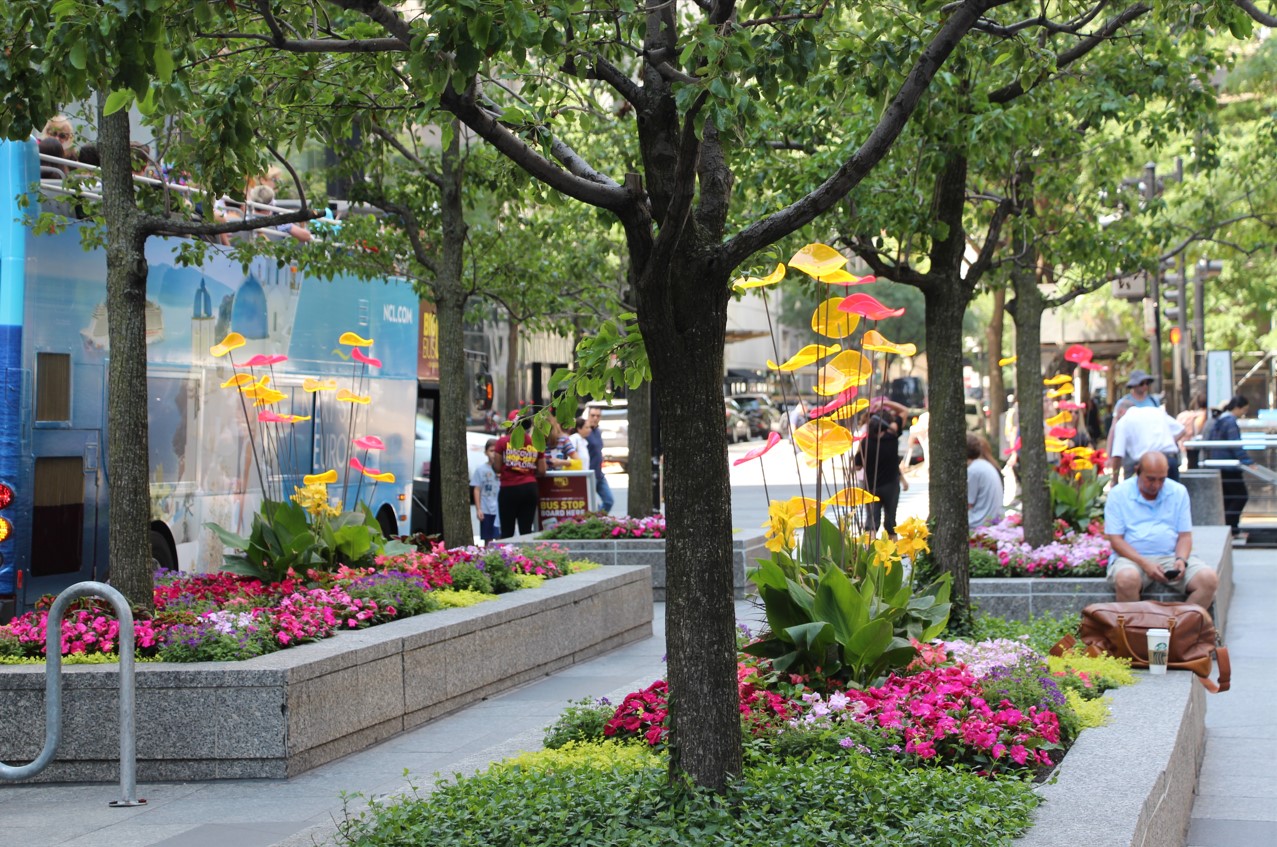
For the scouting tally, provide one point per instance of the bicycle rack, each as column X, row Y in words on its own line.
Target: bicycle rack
column 53, row 691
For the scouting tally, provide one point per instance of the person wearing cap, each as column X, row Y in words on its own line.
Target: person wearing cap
column 1141, row 430
column 1140, row 385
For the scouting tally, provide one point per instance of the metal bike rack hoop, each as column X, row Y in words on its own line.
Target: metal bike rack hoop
column 53, row 690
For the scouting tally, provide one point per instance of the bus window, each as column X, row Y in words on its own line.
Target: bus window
column 57, row 523
column 53, row 387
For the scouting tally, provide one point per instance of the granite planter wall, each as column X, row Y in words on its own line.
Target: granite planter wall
column 1129, row 783
column 278, row 715
column 747, row 548
column 1019, row 598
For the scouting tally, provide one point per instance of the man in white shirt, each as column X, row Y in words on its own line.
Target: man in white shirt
column 1146, row 429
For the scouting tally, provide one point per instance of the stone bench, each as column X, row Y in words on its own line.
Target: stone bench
column 278, row 715
column 1019, row 598
column 747, row 548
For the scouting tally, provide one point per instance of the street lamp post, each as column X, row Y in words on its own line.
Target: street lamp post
column 1155, row 350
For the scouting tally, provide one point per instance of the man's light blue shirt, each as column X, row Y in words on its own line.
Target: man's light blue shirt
column 1152, row 527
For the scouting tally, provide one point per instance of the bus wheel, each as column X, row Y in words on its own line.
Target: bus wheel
column 162, row 552
column 386, row 520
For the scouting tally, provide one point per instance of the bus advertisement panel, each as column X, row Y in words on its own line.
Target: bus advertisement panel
column 208, row 447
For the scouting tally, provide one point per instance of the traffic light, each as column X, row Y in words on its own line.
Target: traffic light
column 483, row 391
column 1170, row 297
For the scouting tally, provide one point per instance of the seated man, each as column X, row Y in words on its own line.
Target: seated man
column 1147, row 521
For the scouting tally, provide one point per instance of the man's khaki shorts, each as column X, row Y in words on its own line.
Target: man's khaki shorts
column 1191, row 570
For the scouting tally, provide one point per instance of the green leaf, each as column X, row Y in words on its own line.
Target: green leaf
column 79, row 56
column 163, row 63
column 117, row 100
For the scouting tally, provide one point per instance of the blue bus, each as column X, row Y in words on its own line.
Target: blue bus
column 55, row 477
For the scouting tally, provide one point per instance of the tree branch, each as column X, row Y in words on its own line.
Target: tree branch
column 779, row 224
column 426, row 171
column 1260, row 17
column 992, row 239
column 1076, row 52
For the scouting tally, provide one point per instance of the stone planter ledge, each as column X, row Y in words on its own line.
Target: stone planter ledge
column 278, row 715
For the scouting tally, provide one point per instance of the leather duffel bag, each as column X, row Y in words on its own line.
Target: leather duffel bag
column 1121, row 629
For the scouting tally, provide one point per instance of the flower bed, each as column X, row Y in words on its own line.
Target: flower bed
column 223, row 617
column 918, row 759
column 606, row 526
column 1070, row 554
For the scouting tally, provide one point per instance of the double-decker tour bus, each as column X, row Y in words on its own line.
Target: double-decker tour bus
column 55, row 476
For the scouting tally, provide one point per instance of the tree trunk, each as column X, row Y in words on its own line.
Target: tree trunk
column 687, row 383
column 946, row 303
column 639, row 414
column 128, row 475
column 1027, row 312
column 997, row 389
column 450, row 300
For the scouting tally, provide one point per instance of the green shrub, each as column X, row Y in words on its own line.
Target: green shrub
column 406, row 598
column 985, row 563
column 1042, row 631
column 502, row 578
column 462, row 598
column 602, row 755
column 813, row 802
column 1090, row 712
column 582, row 720
column 466, row 577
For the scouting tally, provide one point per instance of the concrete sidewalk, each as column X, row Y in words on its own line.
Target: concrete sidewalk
column 1236, row 803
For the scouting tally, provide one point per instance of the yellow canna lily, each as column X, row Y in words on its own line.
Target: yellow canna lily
column 805, row 356
column 237, row 381
column 850, row 498
column 758, row 282
column 1083, row 464
column 785, row 516
column 874, row 340
column 884, row 552
column 817, row 260
column 1081, row 451
column 841, row 372
column 914, row 528
column 838, row 277
column 830, row 322
column 1056, row 445
column 313, row 385
column 823, row 439
column 353, row 340
column 232, row 341
column 348, row 396
column 850, row 410
column 1063, row 391
column 1058, row 379
column 1006, row 360
column 1058, row 420
column 328, row 476
column 383, row 476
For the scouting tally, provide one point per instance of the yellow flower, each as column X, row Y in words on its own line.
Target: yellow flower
column 850, row 498
column 884, row 552
column 841, row 372
column 1060, row 419
column 1006, row 360
column 233, row 341
column 325, row 477
column 786, row 516
column 314, row 499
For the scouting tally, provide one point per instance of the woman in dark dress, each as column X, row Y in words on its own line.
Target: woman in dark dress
column 879, row 456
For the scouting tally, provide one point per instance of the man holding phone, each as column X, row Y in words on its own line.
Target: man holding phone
column 1148, row 522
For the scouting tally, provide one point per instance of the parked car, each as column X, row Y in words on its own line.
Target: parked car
column 737, row 424
column 614, row 426
column 763, row 415
column 475, row 442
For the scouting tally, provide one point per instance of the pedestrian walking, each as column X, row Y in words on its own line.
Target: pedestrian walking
column 1232, row 479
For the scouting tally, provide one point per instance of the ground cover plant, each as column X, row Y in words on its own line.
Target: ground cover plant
column 606, row 526
column 999, row 550
column 226, row 616
column 944, row 751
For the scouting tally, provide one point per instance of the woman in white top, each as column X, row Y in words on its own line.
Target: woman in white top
column 578, row 436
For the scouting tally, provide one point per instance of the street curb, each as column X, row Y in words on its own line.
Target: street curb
column 1129, row 783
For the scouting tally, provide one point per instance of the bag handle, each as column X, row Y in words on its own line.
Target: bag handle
column 1126, row 644
column 1225, row 673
